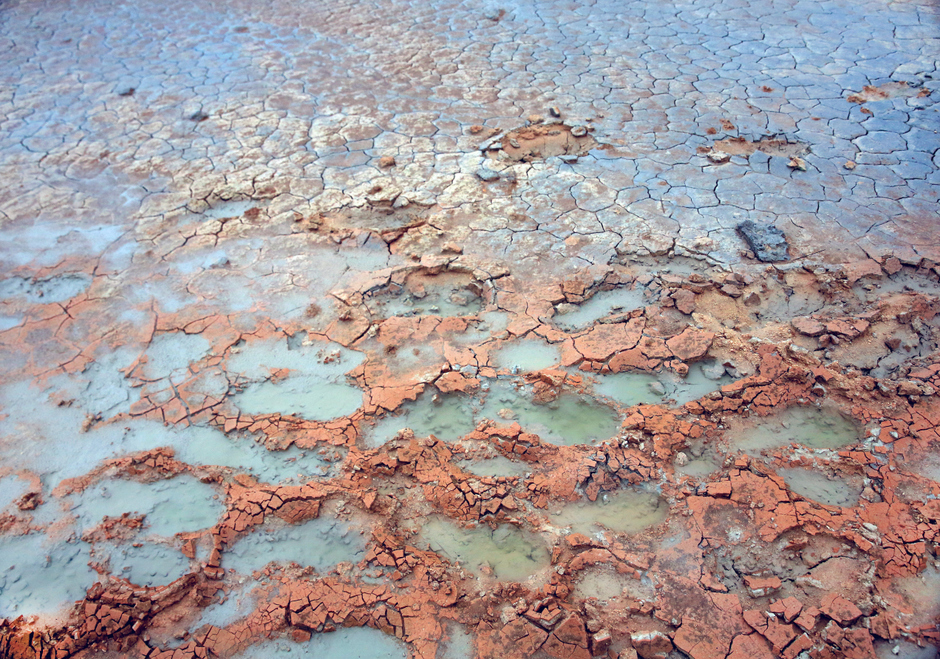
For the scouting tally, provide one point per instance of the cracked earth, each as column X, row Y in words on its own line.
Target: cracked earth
column 448, row 330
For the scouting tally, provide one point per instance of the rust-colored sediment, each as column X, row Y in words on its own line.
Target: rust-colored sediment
column 425, row 215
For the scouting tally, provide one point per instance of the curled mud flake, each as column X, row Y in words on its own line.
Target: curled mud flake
column 768, row 243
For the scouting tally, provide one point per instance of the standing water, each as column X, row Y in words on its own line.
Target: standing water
column 623, row 511
column 511, row 554
column 813, row 427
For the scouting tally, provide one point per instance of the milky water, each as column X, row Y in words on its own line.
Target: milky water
column 605, row 584
column 459, row 644
column 316, row 387
column 819, row 486
column 601, row 305
column 46, row 437
column 101, row 389
column 307, row 397
column 495, row 467
column 344, row 643
column 811, row 426
column 170, row 354
column 41, row 577
column 181, row 504
column 319, row 543
column 44, row 291
column 43, row 433
column 640, row 388
column 526, row 355
column 445, row 295
column 569, row 419
column 511, row 554
column 208, row 446
column 702, row 461
column 446, row 304
column 236, row 604
column 921, row 594
column 449, row 417
column 45, row 244
column 204, row 445
column 145, row 563
column 483, row 327
column 623, row 511
column 903, row 650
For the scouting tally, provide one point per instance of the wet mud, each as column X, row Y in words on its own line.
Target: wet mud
column 446, row 331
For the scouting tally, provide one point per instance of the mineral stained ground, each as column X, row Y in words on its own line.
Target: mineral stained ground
column 469, row 329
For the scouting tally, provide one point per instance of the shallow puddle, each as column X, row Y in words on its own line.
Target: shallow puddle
column 177, row 505
column 526, row 355
column 445, row 295
column 145, row 563
column 919, row 595
column 816, row 485
column 495, row 467
column 236, row 604
column 623, row 511
column 459, row 644
column 605, row 583
column 315, row 389
column 41, row 578
column 928, row 466
column 208, row 446
column 486, row 325
column 319, row 543
column 509, row 553
column 345, row 643
column 42, row 433
column 640, row 388
column 572, row 318
column 903, row 650
column 307, row 397
column 811, row 426
column 448, row 417
column 701, row 461
column 569, row 419
column 44, row 291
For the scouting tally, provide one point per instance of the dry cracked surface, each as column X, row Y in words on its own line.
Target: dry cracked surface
column 446, row 330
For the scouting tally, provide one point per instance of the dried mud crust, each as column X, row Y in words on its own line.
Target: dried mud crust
column 739, row 545
column 437, row 322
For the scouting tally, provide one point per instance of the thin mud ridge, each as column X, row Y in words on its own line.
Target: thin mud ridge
column 297, row 367
column 712, row 558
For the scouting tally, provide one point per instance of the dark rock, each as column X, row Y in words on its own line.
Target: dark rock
column 766, row 241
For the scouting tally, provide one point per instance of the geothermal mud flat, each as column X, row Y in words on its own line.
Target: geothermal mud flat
column 452, row 330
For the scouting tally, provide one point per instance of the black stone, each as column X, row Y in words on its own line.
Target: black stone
column 766, row 241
